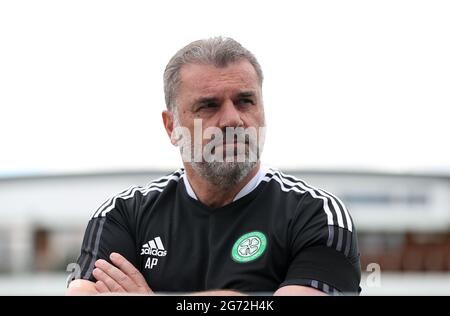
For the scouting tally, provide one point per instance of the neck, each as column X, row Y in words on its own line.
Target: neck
column 213, row 195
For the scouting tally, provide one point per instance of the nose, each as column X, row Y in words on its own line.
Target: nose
column 229, row 116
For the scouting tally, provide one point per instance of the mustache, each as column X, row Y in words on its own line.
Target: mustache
column 214, row 143
column 236, row 137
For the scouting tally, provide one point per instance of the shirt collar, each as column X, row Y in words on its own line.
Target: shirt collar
column 249, row 187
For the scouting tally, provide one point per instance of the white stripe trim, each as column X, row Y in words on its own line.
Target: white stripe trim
column 346, row 213
column 99, row 210
column 129, row 193
column 334, row 200
column 311, row 190
column 159, row 186
column 295, row 189
column 303, row 188
column 126, row 192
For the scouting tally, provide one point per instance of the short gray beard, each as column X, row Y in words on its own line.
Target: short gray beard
column 223, row 175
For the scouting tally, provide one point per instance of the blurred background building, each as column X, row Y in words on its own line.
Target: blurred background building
column 403, row 223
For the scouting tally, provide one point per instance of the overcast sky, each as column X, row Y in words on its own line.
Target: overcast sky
column 348, row 84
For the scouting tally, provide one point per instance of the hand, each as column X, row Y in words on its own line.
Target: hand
column 121, row 277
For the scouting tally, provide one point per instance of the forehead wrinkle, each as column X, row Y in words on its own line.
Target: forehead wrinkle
column 237, row 73
column 211, row 83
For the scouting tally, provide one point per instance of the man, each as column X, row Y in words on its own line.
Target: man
column 224, row 224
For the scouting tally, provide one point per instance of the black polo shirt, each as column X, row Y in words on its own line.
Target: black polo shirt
column 281, row 232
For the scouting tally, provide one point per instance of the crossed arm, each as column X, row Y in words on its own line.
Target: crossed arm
column 122, row 277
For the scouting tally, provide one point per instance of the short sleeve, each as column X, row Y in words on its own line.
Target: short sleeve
column 108, row 231
column 323, row 246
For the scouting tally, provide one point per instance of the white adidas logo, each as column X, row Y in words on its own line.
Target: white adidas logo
column 154, row 247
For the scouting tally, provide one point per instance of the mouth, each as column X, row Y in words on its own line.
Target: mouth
column 230, row 148
column 235, row 144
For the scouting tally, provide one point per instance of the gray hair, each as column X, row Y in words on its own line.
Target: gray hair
column 217, row 51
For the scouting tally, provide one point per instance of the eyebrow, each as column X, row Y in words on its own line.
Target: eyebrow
column 243, row 94
column 203, row 100
column 246, row 94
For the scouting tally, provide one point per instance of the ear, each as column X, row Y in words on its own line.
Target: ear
column 168, row 125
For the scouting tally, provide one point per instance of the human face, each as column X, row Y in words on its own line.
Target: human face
column 220, row 97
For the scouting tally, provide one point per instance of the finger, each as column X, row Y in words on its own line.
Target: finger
column 117, row 275
column 128, row 268
column 110, row 283
column 101, row 287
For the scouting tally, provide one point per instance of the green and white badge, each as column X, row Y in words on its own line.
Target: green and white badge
column 249, row 247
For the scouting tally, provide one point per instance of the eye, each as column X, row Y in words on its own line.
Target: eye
column 210, row 105
column 207, row 105
column 245, row 101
